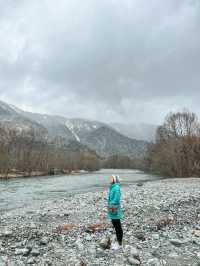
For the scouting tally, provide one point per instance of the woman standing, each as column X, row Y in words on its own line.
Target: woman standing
column 114, row 210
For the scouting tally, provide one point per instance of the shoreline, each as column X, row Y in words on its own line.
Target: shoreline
column 162, row 223
column 14, row 176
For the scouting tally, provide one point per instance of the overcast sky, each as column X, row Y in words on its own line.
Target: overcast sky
column 110, row 60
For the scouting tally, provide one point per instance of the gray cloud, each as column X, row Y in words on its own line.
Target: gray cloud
column 130, row 61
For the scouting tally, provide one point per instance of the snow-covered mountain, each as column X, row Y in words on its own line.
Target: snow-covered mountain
column 107, row 141
column 98, row 136
column 13, row 118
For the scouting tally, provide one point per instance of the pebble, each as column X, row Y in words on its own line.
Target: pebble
column 27, row 235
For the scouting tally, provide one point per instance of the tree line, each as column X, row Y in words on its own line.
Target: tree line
column 26, row 154
column 176, row 150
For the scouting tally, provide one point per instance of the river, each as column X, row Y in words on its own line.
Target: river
column 20, row 192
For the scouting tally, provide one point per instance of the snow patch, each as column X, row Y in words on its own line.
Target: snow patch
column 70, row 126
column 17, row 110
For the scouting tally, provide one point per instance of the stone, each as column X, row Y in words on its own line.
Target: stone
column 153, row 262
column 156, row 236
column 155, row 252
column 140, row 235
column 79, row 245
column 134, row 252
column 33, row 226
column 92, row 250
column 100, row 253
column 105, row 243
column 35, row 252
column 196, row 233
column 31, row 261
column 88, row 238
column 7, row 233
column 140, row 184
column 3, row 260
column 176, row 242
column 130, row 251
column 22, row 251
column 173, row 255
column 44, row 241
column 133, row 261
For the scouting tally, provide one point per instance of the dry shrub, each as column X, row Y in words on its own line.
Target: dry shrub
column 92, row 228
column 65, row 227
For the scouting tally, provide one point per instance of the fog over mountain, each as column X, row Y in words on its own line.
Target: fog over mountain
column 73, row 134
column 111, row 61
column 137, row 131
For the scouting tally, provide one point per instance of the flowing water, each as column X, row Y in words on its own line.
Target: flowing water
column 15, row 193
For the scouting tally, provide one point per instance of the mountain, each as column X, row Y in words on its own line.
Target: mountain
column 141, row 131
column 106, row 142
column 13, row 118
column 75, row 134
column 75, row 146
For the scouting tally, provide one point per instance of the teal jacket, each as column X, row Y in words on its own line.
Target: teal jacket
column 114, row 207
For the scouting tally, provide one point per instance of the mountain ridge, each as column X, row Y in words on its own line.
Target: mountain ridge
column 97, row 136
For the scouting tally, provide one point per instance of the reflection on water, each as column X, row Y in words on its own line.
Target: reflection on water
column 16, row 193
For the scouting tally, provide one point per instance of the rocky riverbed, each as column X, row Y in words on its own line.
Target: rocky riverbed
column 161, row 227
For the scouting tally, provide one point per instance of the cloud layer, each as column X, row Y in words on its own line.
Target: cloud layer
column 112, row 60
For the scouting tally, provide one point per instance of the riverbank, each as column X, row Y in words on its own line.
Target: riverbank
column 161, row 227
column 40, row 174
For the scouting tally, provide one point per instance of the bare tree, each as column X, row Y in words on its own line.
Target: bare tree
column 177, row 145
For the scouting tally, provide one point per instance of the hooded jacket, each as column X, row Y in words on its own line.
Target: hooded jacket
column 114, row 196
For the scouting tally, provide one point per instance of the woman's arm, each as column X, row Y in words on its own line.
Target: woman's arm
column 115, row 196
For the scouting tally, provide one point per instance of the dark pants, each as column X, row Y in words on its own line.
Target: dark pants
column 118, row 229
